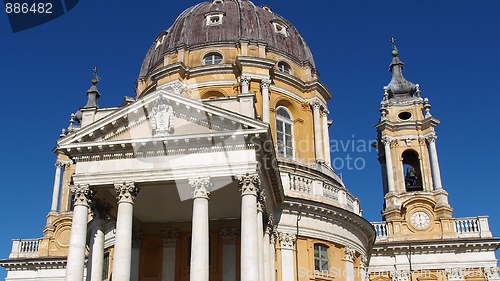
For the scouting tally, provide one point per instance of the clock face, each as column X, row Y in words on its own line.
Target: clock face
column 420, row 220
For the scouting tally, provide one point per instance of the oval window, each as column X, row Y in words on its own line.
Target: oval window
column 405, row 115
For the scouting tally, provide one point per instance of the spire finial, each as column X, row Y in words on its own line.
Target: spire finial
column 394, row 48
column 95, row 76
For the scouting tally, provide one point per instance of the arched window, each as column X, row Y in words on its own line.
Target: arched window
column 284, row 67
column 284, row 132
column 212, row 58
column 412, row 172
column 321, row 257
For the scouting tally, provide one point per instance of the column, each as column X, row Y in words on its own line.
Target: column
column 436, row 173
column 78, row 237
column 326, row 136
column 264, row 84
column 362, row 268
column 95, row 262
column 245, row 84
column 260, row 234
column 318, row 147
column 126, row 193
column 57, row 185
column 249, row 185
column 169, row 248
column 349, row 263
column 267, row 249
column 388, row 163
column 287, row 241
column 199, row 270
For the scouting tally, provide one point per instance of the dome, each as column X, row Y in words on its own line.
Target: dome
column 235, row 21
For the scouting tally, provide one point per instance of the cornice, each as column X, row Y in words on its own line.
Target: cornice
column 34, row 264
column 407, row 125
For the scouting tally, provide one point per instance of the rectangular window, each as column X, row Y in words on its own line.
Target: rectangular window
column 321, row 257
column 105, row 267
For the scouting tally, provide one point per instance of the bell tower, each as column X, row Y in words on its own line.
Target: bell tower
column 415, row 200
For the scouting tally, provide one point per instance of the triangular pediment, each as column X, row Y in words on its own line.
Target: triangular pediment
column 161, row 116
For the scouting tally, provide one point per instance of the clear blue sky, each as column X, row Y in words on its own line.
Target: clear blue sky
column 451, row 48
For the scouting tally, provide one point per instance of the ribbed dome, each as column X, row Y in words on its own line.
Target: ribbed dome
column 241, row 20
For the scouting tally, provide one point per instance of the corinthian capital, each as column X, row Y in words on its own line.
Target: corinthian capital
column 82, row 194
column 287, row 240
column 349, row 253
column 265, row 83
column 315, row 104
column 431, row 137
column 249, row 184
column 245, row 80
column 59, row 164
column 201, row 187
column 126, row 192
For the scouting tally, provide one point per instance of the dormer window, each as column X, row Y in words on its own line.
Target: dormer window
column 280, row 28
column 284, row 67
column 217, row 1
column 214, row 18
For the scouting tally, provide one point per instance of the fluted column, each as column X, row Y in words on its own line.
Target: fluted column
column 326, row 137
column 78, row 237
column 96, row 256
column 287, row 242
column 249, row 185
column 349, row 262
column 267, row 249
column 436, row 173
column 318, row 146
column 388, row 163
column 126, row 193
column 264, row 84
column 57, row 185
column 199, row 269
column 245, row 84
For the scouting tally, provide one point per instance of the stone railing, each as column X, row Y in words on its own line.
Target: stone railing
column 319, row 188
column 24, row 248
column 382, row 230
column 472, row 227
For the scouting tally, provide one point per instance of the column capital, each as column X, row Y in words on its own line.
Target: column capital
column 245, row 80
column 265, row 83
column 59, row 163
column 201, row 187
column 386, row 140
column 349, row 253
column 325, row 112
column 287, row 240
column 491, row 273
column 456, row 273
column 315, row 104
column 82, row 194
column 363, row 261
column 261, row 200
column 400, row 275
column 126, row 192
column 249, row 184
column 431, row 137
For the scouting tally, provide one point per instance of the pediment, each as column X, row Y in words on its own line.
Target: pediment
column 161, row 116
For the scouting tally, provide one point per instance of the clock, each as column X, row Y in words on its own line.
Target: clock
column 420, row 220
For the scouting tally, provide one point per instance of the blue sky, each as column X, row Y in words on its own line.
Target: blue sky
column 451, row 48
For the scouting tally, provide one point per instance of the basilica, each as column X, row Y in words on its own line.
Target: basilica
column 219, row 169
